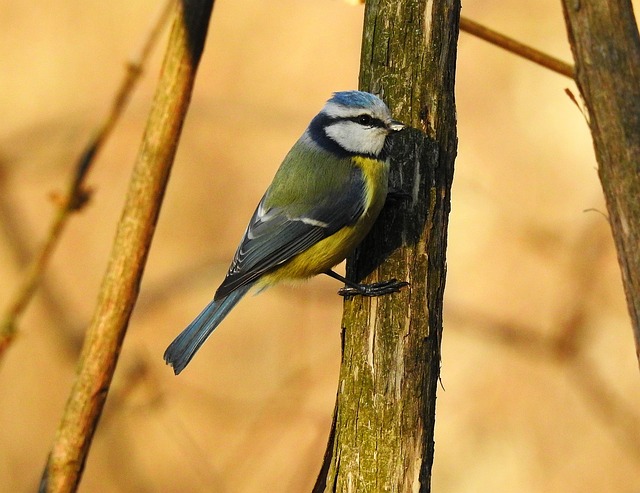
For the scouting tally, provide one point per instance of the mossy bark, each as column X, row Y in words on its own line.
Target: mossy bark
column 382, row 434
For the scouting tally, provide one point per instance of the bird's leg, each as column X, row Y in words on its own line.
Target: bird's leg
column 396, row 196
column 374, row 289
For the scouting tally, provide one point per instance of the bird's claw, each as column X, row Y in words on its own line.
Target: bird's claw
column 397, row 196
column 374, row 289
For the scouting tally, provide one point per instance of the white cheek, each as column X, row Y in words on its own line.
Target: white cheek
column 356, row 138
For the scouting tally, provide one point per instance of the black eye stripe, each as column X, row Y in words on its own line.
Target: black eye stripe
column 365, row 120
column 318, row 132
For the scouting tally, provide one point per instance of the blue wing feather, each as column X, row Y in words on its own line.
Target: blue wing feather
column 273, row 236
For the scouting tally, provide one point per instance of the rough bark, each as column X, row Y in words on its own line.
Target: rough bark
column 606, row 48
column 382, row 434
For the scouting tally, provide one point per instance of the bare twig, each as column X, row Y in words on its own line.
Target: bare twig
column 130, row 249
column 516, row 47
column 77, row 195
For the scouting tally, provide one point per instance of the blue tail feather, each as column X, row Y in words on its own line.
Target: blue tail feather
column 183, row 347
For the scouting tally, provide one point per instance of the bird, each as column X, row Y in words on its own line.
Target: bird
column 322, row 202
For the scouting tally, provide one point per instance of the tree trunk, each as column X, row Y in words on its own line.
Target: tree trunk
column 606, row 48
column 382, row 433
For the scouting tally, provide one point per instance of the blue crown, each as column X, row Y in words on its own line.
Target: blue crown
column 355, row 99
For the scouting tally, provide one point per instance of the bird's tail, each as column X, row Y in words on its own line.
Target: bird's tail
column 183, row 347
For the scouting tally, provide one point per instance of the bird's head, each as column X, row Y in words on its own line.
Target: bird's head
column 353, row 123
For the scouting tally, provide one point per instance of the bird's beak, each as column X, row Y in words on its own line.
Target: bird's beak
column 395, row 126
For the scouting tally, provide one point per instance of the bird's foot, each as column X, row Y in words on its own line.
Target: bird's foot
column 374, row 289
column 396, row 197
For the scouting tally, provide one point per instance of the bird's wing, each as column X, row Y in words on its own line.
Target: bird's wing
column 274, row 235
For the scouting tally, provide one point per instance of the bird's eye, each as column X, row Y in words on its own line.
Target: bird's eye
column 365, row 120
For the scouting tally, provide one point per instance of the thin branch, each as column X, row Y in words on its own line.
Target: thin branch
column 131, row 246
column 605, row 42
column 516, row 47
column 77, row 195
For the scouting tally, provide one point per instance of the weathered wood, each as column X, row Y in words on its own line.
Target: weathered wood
column 606, row 48
column 382, row 435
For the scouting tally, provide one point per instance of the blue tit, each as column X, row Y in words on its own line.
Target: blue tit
column 322, row 202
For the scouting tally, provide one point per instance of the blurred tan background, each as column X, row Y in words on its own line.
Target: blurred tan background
column 542, row 391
